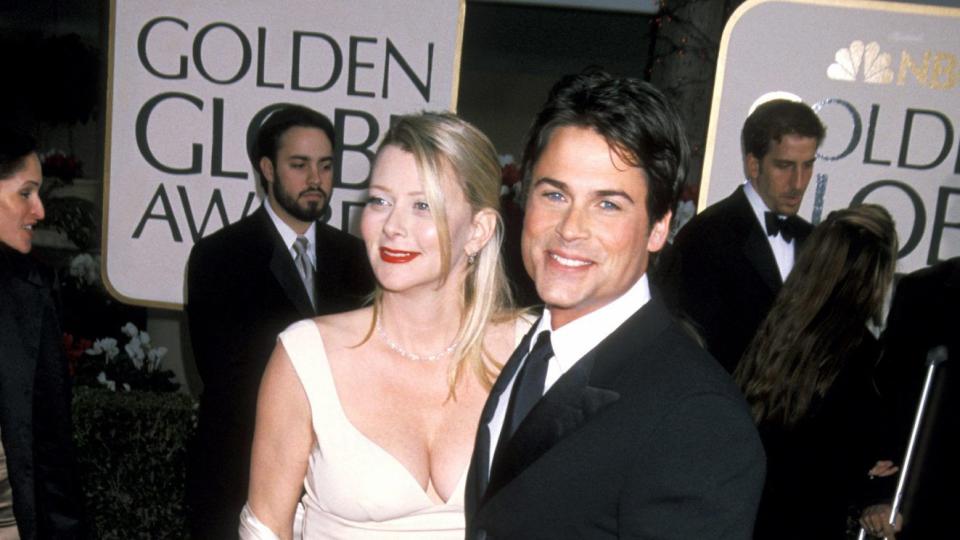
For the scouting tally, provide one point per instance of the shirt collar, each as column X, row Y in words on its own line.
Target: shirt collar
column 759, row 207
column 575, row 339
column 289, row 236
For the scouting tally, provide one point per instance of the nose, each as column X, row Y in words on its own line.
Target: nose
column 313, row 176
column 573, row 224
column 394, row 225
column 38, row 210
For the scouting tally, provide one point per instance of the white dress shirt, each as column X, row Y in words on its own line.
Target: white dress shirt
column 783, row 251
column 290, row 236
column 571, row 342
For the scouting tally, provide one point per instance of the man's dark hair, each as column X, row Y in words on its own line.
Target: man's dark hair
column 776, row 118
column 633, row 116
column 276, row 125
column 14, row 147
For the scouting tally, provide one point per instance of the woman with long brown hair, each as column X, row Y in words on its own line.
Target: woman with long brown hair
column 808, row 376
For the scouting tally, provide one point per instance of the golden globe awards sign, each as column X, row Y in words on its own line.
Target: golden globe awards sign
column 885, row 80
column 189, row 83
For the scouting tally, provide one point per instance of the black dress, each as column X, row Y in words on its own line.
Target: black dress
column 817, row 469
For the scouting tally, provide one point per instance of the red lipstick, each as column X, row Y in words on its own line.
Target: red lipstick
column 397, row 257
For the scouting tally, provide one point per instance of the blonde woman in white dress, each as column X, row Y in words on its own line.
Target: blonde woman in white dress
column 368, row 417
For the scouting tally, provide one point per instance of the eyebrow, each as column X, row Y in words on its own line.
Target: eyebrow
column 603, row 193
column 388, row 190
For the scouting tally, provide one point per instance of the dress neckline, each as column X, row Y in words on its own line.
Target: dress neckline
column 342, row 416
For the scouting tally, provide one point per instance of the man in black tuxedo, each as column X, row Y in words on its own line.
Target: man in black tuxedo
column 728, row 263
column 245, row 284
column 615, row 424
column 925, row 313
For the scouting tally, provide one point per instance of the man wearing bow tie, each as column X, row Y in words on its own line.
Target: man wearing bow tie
column 729, row 262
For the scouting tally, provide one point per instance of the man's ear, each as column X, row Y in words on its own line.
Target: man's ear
column 266, row 169
column 751, row 166
column 659, row 233
column 483, row 226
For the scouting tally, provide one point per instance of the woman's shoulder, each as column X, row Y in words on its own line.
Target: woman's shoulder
column 504, row 333
column 347, row 328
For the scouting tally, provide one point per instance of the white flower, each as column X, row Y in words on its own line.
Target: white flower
column 105, row 345
column 85, row 268
column 126, row 387
column 135, row 352
column 102, row 379
column 144, row 338
column 505, row 159
column 130, row 330
column 156, row 356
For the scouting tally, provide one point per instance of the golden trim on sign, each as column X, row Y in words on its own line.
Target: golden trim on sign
column 457, row 56
column 873, row 5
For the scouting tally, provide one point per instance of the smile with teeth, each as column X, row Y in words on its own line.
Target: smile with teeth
column 570, row 263
column 396, row 256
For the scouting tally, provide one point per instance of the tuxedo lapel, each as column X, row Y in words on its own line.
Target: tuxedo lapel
column 478, row 476
column 586, row 389
column 569, row 403
column 282, row 266
column 755, row 246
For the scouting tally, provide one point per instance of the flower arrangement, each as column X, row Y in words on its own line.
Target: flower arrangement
column 74, row 217
column 511, row 180
column 57, row 164
column 137, row 366
column 85, row 270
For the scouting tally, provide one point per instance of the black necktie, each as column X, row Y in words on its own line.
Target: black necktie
column 787, row 227
column 528, row 386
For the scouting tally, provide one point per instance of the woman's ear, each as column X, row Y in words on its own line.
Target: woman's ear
column 483, row 226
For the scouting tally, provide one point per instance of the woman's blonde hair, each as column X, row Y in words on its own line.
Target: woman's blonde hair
column 444, row 145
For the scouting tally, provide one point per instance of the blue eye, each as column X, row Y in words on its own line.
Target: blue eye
column 609, row 205
column 376, row 201
column 553, row 195
column 422, row 206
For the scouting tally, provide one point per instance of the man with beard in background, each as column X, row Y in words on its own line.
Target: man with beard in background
column 245, row 284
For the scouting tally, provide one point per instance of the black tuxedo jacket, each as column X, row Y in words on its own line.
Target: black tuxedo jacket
column 645, row 437
column 721, row 274
column 35, row 406
column 926, row 313
column 243, row 289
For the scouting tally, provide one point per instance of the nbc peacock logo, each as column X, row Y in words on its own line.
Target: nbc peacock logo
column 861, row 62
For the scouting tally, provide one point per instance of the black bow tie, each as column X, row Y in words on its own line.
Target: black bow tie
column 787, row 227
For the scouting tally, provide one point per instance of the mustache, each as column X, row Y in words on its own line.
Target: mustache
column 314, row 190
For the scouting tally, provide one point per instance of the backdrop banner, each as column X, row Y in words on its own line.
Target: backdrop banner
column 884, row 78
column 189, row 82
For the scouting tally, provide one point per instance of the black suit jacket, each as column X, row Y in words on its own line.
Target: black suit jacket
column 242, row 290
column 35, row 408
column 925, row 313
column 721, row 274
column 645, row 437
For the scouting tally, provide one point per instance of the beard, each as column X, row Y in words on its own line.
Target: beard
column 310, row 211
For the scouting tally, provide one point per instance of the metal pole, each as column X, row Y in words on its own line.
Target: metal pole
column 935, row 357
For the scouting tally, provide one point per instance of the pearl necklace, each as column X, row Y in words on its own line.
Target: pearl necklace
column 409, row 355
